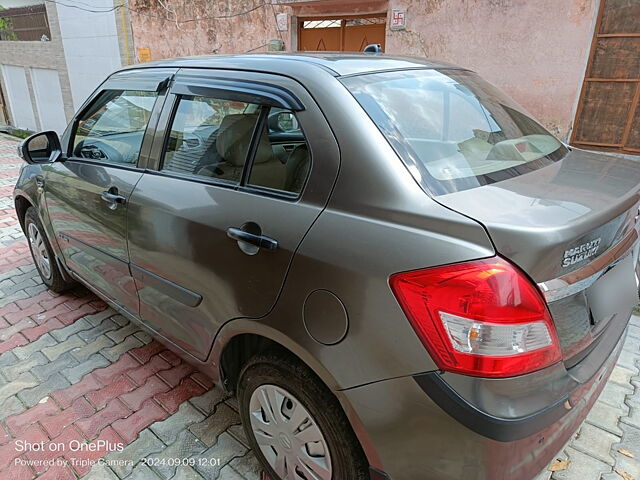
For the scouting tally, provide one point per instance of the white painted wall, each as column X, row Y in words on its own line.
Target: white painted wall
column 91, row 49
column 46, row 88
column 15, row 82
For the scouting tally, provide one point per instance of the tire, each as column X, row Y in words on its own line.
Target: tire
column 292, row 385
column 42, row 253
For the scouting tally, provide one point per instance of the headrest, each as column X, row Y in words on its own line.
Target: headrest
column 234, row 136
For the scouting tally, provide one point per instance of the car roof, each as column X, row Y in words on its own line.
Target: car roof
column 338, row 64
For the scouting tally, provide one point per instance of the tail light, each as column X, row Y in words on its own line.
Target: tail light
column 483, row 318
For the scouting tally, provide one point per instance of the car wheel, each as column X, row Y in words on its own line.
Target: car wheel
column 42, row 253
column 295, row 425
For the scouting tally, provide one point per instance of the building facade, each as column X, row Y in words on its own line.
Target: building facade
column 537, row 51
column 574, row 64
column 53, row 55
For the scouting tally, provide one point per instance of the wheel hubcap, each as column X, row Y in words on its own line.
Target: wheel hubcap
column 39, row 250
column 288, row 435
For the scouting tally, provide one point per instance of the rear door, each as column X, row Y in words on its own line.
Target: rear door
column 87, row 194
column 243, row 168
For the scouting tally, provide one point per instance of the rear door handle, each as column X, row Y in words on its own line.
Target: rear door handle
column 260, row 241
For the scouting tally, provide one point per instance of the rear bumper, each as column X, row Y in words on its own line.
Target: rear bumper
column 421, row 427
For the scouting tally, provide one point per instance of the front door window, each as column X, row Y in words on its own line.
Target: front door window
column 111, row 130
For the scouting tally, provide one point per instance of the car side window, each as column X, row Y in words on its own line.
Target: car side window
column 282, row 159
column 112, row 128
column 210, row 137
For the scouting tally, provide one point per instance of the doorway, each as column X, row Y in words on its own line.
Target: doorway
column 341, row 34
column 608, row 115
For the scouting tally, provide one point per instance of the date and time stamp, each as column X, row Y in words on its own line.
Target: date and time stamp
column 68, row 449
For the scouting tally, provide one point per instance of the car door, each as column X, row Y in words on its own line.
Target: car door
column 87, row 193
column 213, row 229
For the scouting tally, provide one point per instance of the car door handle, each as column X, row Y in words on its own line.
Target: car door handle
column 113, row 199
column 260, row 241
column 40, row 181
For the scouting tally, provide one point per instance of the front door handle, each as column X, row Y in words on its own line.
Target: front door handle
column 260, row 241
column 112, row 197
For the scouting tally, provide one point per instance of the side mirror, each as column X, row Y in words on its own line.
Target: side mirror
column 41, row 148
column 283, row 122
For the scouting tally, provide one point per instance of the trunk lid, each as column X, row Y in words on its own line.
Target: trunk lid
column 560, row 223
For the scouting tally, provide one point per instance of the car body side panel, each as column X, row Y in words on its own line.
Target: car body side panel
column 177, row 233
column 378, row 222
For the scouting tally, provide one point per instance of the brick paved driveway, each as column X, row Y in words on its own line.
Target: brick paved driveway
column 73, row 369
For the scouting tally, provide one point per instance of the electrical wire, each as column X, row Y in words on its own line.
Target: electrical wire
column 89, row 8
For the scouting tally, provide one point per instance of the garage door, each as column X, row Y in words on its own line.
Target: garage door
column 608, row 115
column 15, row 82
column 346, row 34
column 46, row 87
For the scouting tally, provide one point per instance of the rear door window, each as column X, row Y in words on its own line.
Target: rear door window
column 282, row 159
column 458, row 131
column 210, row 137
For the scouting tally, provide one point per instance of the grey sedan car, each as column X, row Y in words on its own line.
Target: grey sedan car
column 399, row 273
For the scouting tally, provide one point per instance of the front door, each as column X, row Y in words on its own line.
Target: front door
column 212, row 233
column 87, row 194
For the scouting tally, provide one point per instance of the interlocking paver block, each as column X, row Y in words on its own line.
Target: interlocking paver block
column 96, row 318
column 207, row 403
column 25, row 352
column 103, row 327
column 96, row 361
column 137, row 397
column 99, row 398
column 14, row 371
column 60, row 364
column 583, row 467
column 213, row 426
column 113, row 353
column 168, row 429
column 64, row 333
column 119, row 335
column 226, row 449
column 186, row 445
column 11, row 406
column 31, row 396
column 85, row 351
column 247, row 466
column 92, row 426
column 101, row 472
column 143, row 472
column 607, row 417
column 69, row 344
column 596, row 442
column 25, row 380
column 146, row 444
column 128, row 428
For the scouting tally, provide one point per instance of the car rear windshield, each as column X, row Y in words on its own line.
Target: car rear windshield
column 454, row 130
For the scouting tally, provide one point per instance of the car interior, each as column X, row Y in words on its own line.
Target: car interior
column 281, row 161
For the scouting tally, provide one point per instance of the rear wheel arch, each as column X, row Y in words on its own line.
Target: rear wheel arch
column 239, row 349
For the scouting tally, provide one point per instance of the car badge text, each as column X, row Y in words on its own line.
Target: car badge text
column 581, row 252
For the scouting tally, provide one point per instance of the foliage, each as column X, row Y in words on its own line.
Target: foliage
column 6, row 28
column 20, row 133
